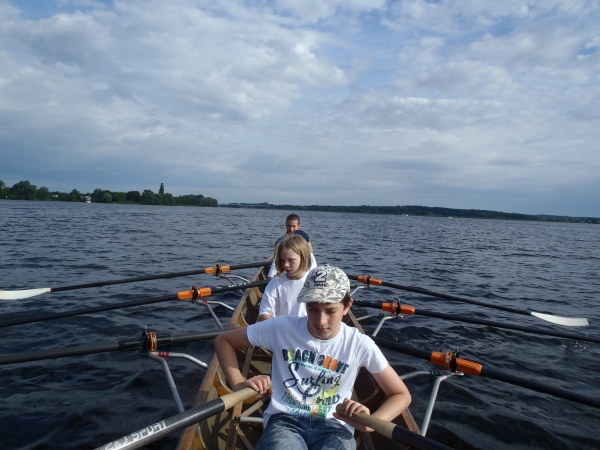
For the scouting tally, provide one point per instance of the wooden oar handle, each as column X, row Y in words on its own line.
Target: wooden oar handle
column 239, row 396
column 381, row 426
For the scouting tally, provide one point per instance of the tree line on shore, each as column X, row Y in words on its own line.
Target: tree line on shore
column 24, row 190
column 414, row 210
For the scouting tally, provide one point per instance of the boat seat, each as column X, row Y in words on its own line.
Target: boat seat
column 242, row 322
column 260, row 354
column 253, row 308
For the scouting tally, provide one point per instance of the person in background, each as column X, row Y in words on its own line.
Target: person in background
column 316, row 360
column 294, row 260
column 292, row 225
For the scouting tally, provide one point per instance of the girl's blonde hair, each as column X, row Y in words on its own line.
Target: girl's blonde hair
column 298, row 245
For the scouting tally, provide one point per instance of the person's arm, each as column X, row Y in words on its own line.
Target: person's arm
column 313, row 262
column 266, row 310
column 311, row 248
column 398, row 400
column 264, row 317
column 273, row 269
column 225, row 346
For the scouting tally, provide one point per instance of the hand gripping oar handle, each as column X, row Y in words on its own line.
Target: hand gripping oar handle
column 183, row 295
column 395, row 432
column 566, row 321
column 173, row 424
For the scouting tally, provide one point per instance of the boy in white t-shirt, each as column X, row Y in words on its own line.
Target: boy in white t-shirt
column 315, row 363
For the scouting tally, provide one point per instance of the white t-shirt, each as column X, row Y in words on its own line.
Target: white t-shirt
column 273, row 269
column 279, row 298
column 311, row 376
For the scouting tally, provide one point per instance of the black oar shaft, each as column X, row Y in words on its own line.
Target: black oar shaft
column 540, row 387
column 79, row 312
column 497, row 375
column 416, row 441
column 367, row 303
column 492, row 323
column 402, row 348
column 418, row 290
column 395, row 432
column 134, row 344
column 173, row 424
column 154, row 277
column 95, row 309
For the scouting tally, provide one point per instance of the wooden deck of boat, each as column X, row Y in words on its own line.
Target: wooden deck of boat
column 232, row 430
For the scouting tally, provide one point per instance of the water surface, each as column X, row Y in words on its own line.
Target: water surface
column 84, row 402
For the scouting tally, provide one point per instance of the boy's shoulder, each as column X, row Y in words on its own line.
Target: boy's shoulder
column 352, row 332
column 275, row 328
column 354, row 335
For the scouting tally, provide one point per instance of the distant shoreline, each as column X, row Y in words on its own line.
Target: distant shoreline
column 419, row 211
column 422, row 211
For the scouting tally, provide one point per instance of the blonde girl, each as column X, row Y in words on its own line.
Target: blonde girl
column 294, row 261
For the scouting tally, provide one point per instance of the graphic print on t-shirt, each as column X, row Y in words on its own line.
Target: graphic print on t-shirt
column 311, row 388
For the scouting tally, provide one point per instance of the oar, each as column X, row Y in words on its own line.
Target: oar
column 472, row 368
column 26, row 293
column 184, row 295
column 567, row 321
column 89, row 349
column 396, row 308
column 173, row 424
column 395, row 432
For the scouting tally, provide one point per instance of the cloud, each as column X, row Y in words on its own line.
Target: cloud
column 465, row 104
column 312, row 11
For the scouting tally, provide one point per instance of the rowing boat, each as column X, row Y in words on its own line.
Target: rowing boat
column 241, row 427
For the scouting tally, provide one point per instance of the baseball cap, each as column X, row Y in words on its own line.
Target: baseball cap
column 324, row 284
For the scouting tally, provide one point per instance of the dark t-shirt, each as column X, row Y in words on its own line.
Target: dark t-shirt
column 298, row 232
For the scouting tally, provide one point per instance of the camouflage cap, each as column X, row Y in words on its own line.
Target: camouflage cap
column 324, row 284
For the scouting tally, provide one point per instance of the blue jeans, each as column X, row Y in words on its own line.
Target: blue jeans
column 291, row 432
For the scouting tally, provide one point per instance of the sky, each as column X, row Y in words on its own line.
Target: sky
column 469, row 104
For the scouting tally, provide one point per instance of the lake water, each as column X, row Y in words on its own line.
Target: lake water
column 84, row 402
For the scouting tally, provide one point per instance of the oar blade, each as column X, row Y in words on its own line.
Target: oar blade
column 566, row 321
column 25, row 293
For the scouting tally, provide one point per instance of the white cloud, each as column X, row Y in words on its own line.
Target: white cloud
column 312, row 11
column 462, row 103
